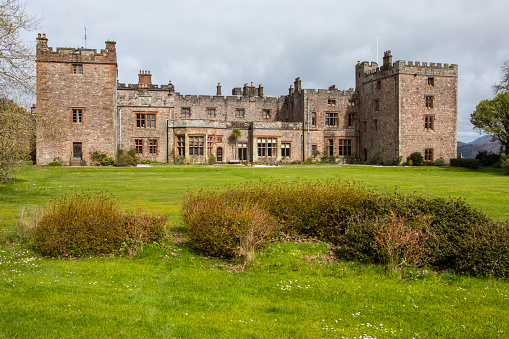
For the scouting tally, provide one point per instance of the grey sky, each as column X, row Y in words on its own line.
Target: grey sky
column 197, row 44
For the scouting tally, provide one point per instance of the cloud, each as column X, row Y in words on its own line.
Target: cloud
column 197, row 44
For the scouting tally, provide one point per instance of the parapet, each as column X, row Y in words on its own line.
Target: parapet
column 66, row 54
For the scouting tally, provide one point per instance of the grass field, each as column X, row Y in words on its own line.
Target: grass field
column 293, row 290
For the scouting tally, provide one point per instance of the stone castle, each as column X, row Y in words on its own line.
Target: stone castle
column 395, row 109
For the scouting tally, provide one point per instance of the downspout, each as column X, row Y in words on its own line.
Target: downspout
column 307, row 101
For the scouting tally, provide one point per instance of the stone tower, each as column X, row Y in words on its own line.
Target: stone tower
column 406, row 108
column 76, row 102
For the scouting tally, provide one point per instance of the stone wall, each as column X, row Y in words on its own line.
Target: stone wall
column 59, row 91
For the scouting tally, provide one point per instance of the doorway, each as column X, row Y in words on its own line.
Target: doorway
column 77, row 151
column 219, row 154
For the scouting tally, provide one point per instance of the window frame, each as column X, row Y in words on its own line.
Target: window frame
column 138, row 145
column 344, row 147
column 286, row 149
column 266, row 146
column 330, row 147
column 429, row 101
column 431, row 81
column 185, row 112
column 181, row 145
column 349, row 119
column 266, row 113
column 331, row 119
column 428, row 154
column 211, row 112
column 145, row 120
column 240, row 113
column 242, row 150
column 77, row 115
column 429, row 122
column 313, row 118
column 196, row 145
column 153, row 146
column 77, row 69
column 332, row 102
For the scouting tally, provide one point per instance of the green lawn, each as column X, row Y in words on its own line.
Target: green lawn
column 294, row 290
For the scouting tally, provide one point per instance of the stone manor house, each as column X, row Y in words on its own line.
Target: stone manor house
column 395, row 109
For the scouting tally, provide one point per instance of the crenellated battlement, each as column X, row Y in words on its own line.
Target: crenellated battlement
column 69, row 54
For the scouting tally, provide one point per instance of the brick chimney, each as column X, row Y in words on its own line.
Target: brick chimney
column 260, row 90
column 144, row 79
column 218, row 89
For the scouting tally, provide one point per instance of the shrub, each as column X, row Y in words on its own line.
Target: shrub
column 54, row 163
column 79, row 224
column 211, row 159
column 125, row 160
column 484, row 251
column 97, row 157
column 439, row 162
column 107, row 161
column 91, row 223
column 400, row 242
column 417, row 159
column 487, row 159
column 220, row 225
column 464, row 162
column 140, row 228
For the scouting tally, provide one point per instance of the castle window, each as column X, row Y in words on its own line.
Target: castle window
column 376, row 103
column 330, row 147
column 144, row 120
column 285, row 149
column 77, row 115
column 313, row 118
column 429, row 101
column 211, row 112
column 351, row 103
column 331, row 119
column 186, row 112
column 152, row 146
column 239, row 113
column 210, row 144
column 77, row 69
column 378, row 84
column 266, row 113
column 428, row 154
column 196, row 145
column 350, row 119
column 431, row 82
column 242, row 151
column 181, row 145
column 138, row 145
column 364, row 126
column 375, row 124
column 332, row 102
column 345, row 147
column 313, row 150
column 429, row 122
column 267, row 147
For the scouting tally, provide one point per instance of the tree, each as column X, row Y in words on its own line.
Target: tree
column 491, row 116
column 234, row 137
column 16, row 56
column 17, row 77
column 17, row 137
column 504, row 84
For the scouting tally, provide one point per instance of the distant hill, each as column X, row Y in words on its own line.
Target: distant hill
column 484, row 143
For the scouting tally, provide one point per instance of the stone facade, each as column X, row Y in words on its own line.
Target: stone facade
column 395, row 110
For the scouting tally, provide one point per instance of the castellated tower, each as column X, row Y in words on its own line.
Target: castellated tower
column 76, row 102
column 406, row 107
